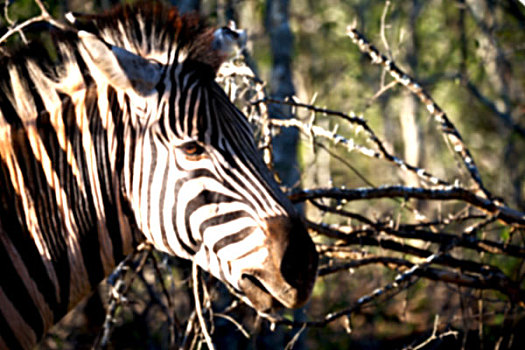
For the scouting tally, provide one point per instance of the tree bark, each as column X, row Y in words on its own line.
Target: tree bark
column 281, row 87
column 187, row 5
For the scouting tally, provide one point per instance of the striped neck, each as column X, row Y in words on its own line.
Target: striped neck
column 62, row 213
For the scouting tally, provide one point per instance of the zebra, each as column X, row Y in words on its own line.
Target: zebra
column 117, row 135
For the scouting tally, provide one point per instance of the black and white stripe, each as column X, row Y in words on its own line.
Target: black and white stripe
column 127, row 129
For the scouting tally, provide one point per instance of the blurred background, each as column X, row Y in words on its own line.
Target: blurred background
column 469, row 56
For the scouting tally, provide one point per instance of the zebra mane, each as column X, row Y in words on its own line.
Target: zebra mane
column 150, row 30
column 154, row 31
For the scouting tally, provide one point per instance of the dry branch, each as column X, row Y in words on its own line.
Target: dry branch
column 448, row 129
column 316, row 131
column 502, row 212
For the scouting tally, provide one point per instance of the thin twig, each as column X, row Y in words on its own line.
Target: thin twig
column 118, row 290
column 448, row 129
column 235, row 323
column 350, row 145
column 433, row 336
column 11, row 22
column 198, row 306
column 18, row 28
column 43, row 17
column 294, row 339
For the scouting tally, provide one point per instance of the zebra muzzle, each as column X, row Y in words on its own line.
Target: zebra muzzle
column 288, row 275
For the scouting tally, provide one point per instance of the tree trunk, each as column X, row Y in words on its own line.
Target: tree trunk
column 187, row 5
column 281, row 87
column 408, row 117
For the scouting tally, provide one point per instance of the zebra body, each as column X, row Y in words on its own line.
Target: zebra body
column 124, row 138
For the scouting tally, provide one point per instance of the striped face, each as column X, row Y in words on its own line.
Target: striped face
column 200, row 191
column 191, row 172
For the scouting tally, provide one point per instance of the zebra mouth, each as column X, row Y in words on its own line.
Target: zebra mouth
column 260, row 298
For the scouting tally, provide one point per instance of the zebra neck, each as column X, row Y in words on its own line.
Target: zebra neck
column 63, row 225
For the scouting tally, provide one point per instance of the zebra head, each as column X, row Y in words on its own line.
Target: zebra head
column 189, row 167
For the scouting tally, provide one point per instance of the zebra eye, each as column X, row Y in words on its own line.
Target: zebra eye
column 192, row 149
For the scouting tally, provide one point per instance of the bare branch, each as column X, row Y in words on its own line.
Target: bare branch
column 198, row 307
column 18, row 28
column 502, row 212
column 43, row 17
column 433, row 336
column 449, row 130
column 467, row 239
column 350, row 145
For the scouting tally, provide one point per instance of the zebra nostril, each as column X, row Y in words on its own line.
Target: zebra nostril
column 295, row 256
column 300, row 259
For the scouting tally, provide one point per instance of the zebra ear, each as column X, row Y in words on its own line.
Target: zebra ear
column 229, row 39
column 122, row 69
